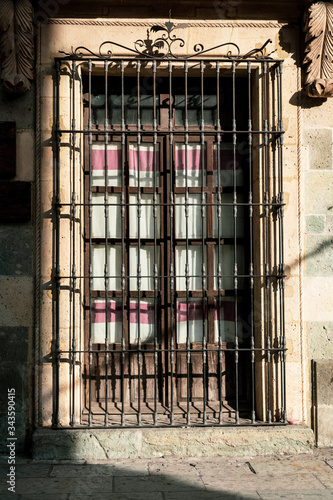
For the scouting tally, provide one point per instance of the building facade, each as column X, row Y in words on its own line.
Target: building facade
column 167, row 264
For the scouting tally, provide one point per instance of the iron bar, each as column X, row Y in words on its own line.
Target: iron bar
column 106, row 245
column 56, row 340
column 139, row 208
column 172, row 254
column 234, row 143
column 123, row 269
column 251, row 264
column 73, row 218
column 90, row 272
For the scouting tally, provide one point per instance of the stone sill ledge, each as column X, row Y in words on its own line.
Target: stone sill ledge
column 105, row 444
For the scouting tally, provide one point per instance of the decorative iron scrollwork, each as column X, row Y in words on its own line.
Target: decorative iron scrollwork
column 163, row 47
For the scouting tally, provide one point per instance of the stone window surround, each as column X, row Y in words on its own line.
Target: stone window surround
column 61, row 35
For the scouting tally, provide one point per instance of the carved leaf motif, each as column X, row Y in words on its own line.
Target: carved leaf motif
column 16, row 45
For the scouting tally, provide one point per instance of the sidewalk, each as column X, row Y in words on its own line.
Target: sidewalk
column 268, row 478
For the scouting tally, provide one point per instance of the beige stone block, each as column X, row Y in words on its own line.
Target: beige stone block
column 318, row 192
column 318, row 298
column 319, row 146
column 294, row 394
column 16, row 301
column 317, row 111
column 25, row 155
column 289, row 163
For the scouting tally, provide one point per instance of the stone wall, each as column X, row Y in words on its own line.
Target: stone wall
column 318, row 258
column 16, row 275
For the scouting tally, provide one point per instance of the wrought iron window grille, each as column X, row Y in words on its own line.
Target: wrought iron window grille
column 168, row 195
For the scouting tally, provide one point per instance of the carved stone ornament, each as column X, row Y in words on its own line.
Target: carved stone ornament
column 16, row 45
column 318, row 59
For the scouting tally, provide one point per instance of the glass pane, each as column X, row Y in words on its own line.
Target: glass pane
column 144, row 163
column 99, row 328
column 227, row 217
column 147, row 320
column 194, row 267
column 114, row 264
column 224, row 322
column 147, row 267
column 227, row 165
column 227, row 266
column 188, row 165
column 147, row 216
column 98, row 216
column 193, row 313
column 194, row 109
column 194, row 220
column 113, row 164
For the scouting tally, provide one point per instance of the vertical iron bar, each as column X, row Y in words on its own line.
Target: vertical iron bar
column 155, row 248
column 139, row 244
column 267, row 259
column 251, row 267
column 203, row 227
column 90, row 241
column 56, row 345
column 106, row 228
column 281, row 245
column 172, row 278
column 122, row 69
column 73, row 207
column 218, row 209
column 234, row 141
column 187, row 279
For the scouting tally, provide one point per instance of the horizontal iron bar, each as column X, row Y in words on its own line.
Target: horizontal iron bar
column 183, row 426
column 152, row 351
column 166, row 133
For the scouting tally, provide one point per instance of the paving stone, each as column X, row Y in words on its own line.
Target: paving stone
column 120, row 496
column 23, row 471
column 100, row 470
column 53, row 486
column 174, row 468
column 296, row 495
column 234, row 483
column 326, row 480
column 58, row 496
column 211, row 495
column 10, row 496
column 220, row 469
column 295, row 465
column 156, row 483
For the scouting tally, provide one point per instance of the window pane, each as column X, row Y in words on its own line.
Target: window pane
column 147, row 320
column 142, row 164
column 227, row 165
column 227, row 266
column 194, row 267
column 224, row 322
column 114, row 265
column 192, row 311
column 98, row 216
column 99, row 318
column 146, row 220
column 227, row 220
column 194, row 220
column 113, row 164
column 188, row 165
column 147, row 267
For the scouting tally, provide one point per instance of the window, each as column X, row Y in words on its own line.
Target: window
column 174, row 228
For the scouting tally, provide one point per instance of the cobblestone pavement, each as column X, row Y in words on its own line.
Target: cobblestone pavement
column 268, row 478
